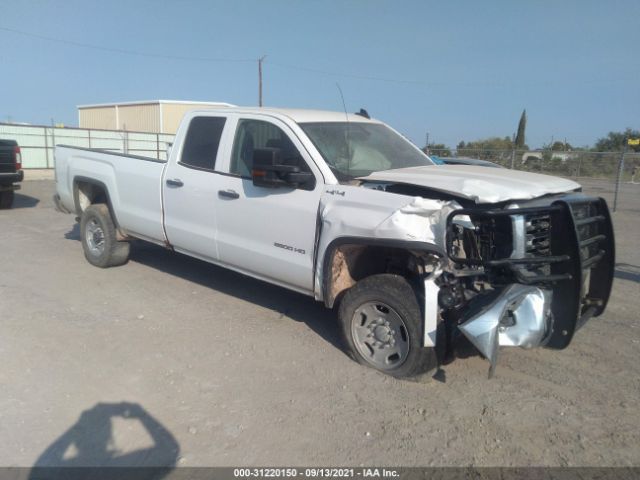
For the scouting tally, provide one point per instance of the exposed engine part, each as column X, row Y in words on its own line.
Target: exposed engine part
column 451, row 296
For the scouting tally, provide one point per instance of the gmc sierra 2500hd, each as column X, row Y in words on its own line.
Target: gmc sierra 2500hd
column 344, row 209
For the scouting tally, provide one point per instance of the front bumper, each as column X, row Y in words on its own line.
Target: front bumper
column 518, row 316
column 577, row 278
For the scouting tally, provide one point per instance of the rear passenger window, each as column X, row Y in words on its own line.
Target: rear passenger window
column 202, row 142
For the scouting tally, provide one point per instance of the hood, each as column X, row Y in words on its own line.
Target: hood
column 480, row 184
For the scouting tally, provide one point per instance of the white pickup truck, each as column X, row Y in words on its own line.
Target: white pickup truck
column 344, row 209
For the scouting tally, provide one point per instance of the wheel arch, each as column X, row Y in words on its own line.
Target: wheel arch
column 348, row 260
column 88, row 191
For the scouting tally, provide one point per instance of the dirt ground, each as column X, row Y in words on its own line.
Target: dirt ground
column 218, row 369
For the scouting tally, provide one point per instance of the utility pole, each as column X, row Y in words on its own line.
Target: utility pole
column 513, row 150
column 620, row 171
column 260, row 60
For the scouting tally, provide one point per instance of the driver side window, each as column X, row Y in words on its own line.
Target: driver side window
column 252, row 134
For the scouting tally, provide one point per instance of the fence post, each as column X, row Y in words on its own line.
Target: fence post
column 158, row 146
column 618, row 180
column 46, row 146
column 89, row 137
column 53, row 142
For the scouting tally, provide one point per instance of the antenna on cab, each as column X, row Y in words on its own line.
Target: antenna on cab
column 347, row 140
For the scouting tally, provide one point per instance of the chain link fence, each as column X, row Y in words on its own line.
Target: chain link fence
column 37, row 142
column 600, row 173
column 575, row 164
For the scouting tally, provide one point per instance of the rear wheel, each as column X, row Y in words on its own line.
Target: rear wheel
column 6, row 199
column 99, row 240
column 382, row 326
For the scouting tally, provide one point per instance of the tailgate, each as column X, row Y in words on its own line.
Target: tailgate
column 7, row 158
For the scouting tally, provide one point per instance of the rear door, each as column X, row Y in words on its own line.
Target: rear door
column 267, row 232
column 190, row 189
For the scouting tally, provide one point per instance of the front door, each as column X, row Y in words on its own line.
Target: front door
column 268, row 232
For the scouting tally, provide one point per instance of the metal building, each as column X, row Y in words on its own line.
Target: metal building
column 155, row 116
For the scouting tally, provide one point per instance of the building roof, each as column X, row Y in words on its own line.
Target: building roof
column 155, row 102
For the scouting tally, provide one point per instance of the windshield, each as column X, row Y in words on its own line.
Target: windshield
column 354, row 149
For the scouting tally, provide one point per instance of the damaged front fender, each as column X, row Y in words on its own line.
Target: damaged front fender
column 374, row 217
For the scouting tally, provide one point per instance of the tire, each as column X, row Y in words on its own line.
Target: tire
column 99, row 240
column 6, row 199
column 382, row 326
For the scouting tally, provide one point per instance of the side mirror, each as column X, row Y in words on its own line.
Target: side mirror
column 270, row 171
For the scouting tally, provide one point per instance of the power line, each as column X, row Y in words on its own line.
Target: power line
column 125, row 52
column 348, row 75
column 524, row 82
column 208, row 59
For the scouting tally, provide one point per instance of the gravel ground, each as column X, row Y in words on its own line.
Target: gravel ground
column 219, row 369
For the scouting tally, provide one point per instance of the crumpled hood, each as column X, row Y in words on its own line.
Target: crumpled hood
column 481, row 184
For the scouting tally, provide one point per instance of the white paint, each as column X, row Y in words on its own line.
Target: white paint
column 431, row 311
column 481, row 184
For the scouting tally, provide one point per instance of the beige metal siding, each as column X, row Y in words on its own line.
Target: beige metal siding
column 98, row 117
column 172, row 114
column 139, row 118
column 152, row 117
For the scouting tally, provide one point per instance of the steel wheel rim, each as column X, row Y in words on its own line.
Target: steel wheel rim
column 95, row 237
column 380, row 335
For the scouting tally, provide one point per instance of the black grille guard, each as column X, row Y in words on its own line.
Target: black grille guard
column 582, row 251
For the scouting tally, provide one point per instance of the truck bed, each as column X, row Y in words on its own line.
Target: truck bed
column 133, row 183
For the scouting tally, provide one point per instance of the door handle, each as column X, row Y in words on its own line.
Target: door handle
column 229, row 194
column 174, row 182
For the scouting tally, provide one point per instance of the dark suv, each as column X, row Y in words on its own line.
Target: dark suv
column 10, row 171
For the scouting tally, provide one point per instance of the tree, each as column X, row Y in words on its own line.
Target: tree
column 522, row 125
column 438, row 149
column 614, row 141
column 561, row 146
column 492, row 148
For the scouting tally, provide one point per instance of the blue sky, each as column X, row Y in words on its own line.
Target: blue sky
column 461, row 70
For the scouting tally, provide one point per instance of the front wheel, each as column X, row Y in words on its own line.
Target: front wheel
column 383, row 328
column 99, row 239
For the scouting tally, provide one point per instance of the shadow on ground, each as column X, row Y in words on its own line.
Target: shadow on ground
column 92, row 442
column 74, row 233
column 24, row 201
column 296, row 306
column 624, row 271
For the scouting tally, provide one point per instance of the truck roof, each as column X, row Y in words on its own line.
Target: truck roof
column 298, row 115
